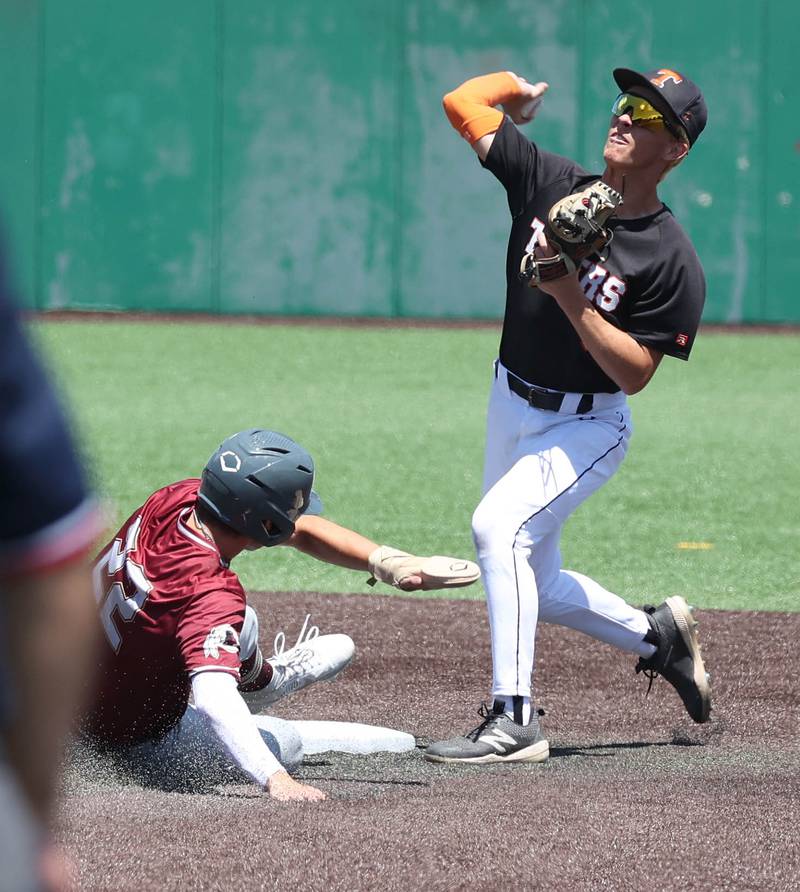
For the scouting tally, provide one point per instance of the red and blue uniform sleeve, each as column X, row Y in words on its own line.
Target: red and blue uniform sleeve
column 47, row 514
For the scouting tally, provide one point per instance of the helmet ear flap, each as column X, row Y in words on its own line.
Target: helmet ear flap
column 275, row 520
column 215, row 496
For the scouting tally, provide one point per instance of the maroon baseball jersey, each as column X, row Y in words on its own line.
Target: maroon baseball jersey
column 169, row 607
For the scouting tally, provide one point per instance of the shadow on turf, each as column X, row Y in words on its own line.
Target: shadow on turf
column 108, row 771
column 596, row 750
column 604, row 750
column 352, row 772
column 111, row 771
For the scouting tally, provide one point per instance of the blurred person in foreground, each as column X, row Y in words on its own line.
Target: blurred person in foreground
column 48, row 523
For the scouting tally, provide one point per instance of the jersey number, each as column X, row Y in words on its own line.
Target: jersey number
column 538, row 228
column 115, row 602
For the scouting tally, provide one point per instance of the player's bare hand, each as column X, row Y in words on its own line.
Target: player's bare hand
column 522, row 109
column 284, row 788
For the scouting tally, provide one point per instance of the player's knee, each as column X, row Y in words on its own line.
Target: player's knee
column 496, row 532
column 283, row 741
column 488, row 530
column 291, row 752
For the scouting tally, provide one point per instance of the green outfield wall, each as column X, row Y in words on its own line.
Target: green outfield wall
column 250, row 156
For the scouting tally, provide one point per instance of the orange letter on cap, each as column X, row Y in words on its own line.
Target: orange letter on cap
column 664, row 74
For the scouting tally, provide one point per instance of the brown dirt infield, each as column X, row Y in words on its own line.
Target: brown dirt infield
column 635, row 796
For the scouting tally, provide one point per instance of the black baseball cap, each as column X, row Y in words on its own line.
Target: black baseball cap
column 674, row 95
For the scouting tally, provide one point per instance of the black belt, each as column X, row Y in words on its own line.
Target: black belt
column 540, row 398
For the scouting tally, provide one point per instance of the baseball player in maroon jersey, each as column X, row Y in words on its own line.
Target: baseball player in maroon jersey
column 572, row 349
column 177, row 624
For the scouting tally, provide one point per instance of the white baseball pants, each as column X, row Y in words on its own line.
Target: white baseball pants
column 539, row 467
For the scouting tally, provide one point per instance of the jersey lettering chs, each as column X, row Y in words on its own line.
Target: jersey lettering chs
column 650, row 282
column 169, row 608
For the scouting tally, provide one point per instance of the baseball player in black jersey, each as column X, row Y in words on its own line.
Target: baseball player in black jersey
column 573, row 347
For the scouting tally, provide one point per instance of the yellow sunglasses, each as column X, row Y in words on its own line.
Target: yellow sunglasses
column 641, row 112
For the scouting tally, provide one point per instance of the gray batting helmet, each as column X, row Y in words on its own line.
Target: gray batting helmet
column 258, row 483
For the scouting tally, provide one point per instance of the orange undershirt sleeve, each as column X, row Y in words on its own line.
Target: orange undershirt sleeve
column 470, row 107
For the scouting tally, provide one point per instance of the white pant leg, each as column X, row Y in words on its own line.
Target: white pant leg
column 576, row 601
column 192, row 750
column 539, row 467
column 571, row 599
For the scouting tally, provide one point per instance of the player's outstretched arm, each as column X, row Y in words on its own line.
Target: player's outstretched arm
column 471, row 107
column 329, row 542
column 334, row 544
column 217, row 699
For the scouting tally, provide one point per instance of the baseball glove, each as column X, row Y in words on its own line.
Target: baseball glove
column 575, row 229
column 394, row 567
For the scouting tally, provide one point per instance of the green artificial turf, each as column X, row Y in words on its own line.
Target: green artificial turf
column 395, row 421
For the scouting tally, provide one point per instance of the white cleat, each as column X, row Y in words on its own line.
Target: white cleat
column 313, row 658
column 318, row 659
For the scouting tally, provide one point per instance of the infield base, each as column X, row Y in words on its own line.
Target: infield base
column 351, row 737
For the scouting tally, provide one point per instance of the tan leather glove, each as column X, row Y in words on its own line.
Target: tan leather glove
column 395, row 567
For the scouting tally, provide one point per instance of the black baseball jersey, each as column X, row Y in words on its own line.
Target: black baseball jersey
column 651, row 285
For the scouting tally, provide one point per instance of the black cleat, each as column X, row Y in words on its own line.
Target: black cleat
column 677, row 658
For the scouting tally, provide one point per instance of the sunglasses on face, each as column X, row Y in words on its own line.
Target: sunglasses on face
column 641, row 112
